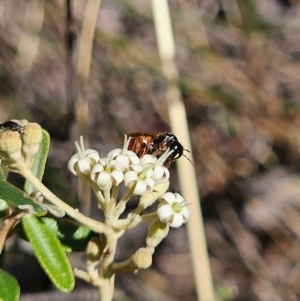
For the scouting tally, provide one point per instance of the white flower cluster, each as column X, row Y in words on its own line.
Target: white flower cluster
column 123, row 165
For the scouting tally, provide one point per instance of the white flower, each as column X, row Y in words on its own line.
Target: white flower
column 173, row 209
column 160, row 173
column 83, row 161
column 124, row 156
column 143, row 178
column 106, row 173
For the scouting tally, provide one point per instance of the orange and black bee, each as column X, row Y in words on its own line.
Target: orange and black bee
column 156, row 144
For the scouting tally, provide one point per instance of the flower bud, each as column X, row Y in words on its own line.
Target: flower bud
column 157, row 231
column 95, row 249
column 32, row 138
column 22, row 122
column 19, row 143
column 10, row 147
column 142, row 258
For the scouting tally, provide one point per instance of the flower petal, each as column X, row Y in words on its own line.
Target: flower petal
column 168, row 198
column 185, row 213
column 140, row 188
column 160, row 172
column 103, row 179
column 103, row 161
column 117, row 177
column 129, row 177
column 134, row 159
column 124, row 157
column 148, row 159
column 92, row 155
column 123, row 160
column 137, row 168
column 150, row 183
column 71, row 164
column 177, row 221
column 179, row 198
column 165, row 213
column 83, row 165
column 114, row 153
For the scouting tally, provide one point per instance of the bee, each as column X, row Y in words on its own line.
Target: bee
column 156, row 144
column 12, row 126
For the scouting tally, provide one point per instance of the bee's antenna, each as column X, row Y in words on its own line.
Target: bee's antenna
column 188, row 158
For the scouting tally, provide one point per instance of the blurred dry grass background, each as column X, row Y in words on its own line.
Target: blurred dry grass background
column 239, row 64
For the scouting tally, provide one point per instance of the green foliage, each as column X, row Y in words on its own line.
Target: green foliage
column 17, row 198
column 49, row 252
column 9, row 287
column 3, row 208
column 38, row 166
column 45, row 243
column 73, row 236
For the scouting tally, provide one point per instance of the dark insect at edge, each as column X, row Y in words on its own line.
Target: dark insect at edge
column 12, row 126
column 156, row 144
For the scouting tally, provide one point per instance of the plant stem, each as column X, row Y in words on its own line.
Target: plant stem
column 98, row 227
column 120, row 207
column 149, row 216
column 106, row 289
column 107, row 278
column 99, row 195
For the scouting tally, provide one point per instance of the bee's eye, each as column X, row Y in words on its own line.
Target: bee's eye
column 177, row 148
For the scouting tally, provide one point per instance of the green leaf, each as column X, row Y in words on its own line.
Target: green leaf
column 71, row 235
column 49, row 253
column 38, row 166
column 9, row 287
column 3, row 208
column 17, row 198
column 3, row 172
